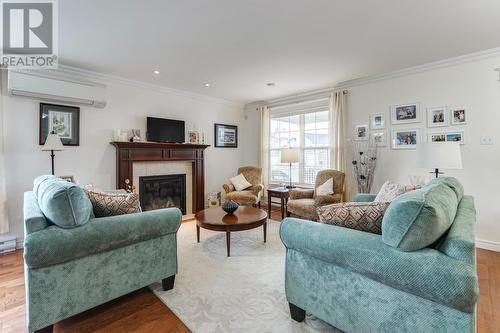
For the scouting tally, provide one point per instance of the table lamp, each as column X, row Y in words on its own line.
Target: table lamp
column 53, row 143
column 290, row 155
column 439, row 155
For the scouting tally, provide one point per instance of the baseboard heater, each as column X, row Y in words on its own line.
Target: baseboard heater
column 7, row 244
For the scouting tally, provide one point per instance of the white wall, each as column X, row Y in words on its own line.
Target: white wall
column 94, row 160
column 473, row 85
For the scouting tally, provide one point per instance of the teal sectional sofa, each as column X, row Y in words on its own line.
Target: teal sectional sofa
column 418, row 276
column 74, row 262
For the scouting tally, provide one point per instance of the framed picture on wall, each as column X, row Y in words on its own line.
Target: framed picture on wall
column 405, row 113
column 361, row 132
column 378, row 139
column 458, row 116
column 437, row 117
column 226, row 136
column 377, row 121
column 62, row 120
column 406, row 138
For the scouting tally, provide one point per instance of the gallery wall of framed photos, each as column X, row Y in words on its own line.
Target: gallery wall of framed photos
column 411, row 123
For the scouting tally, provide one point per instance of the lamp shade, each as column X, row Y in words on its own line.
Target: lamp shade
column 290, row 155
column 53, row 142
column 442, row 155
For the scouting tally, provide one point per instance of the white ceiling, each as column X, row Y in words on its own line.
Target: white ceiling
column 240, row 45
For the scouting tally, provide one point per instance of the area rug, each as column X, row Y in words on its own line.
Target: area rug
column 242, row 293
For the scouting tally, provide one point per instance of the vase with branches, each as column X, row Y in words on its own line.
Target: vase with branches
column 364, row 160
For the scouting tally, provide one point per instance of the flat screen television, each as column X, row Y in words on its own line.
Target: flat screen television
column 165, row 130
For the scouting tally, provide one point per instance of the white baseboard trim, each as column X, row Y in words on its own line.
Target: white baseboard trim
column 488, row 245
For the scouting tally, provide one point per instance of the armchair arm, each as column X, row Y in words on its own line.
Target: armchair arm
column 364, row 197
column 322, row 200
column 427, row 273
column 228, row 187
column 298, row 193
column 54, row 245
column 256, row 189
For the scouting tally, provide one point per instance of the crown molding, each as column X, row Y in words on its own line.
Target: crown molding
column 390, row 75
column 114, row 79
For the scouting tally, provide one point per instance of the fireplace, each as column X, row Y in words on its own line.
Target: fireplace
column 166, row 191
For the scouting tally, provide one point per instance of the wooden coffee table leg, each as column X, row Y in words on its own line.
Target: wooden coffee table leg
column 198, row 233
column 265, row 230
column 228, row 243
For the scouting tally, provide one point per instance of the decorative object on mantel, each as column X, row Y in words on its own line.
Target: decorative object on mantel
column 136, row 135
column 405, row 113
column 193, row 137
column 230, row 207
column 364, row 161
column 53, row 143
column 226, row 136
column 61, row 120
column 445, row 155
column 290, row 155
column 120, row 135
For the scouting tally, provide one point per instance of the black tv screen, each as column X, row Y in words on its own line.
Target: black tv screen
column 165, row 130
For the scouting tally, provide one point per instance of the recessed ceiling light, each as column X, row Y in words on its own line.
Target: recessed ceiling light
column 156, row 72
column 270, row 84
column 207, row 85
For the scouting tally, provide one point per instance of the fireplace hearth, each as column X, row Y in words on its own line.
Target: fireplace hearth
column 157, row 192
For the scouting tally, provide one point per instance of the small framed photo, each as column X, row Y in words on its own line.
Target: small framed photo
column 62, row 120
column 378, row 139
column 377, row 121
column 437, row 137
column 193, row 137
column 406, row 138
column 70, row 179
column 136, row 135
column 458, row 116
column 226, row 136
column 405, row 113
column 437, row 117
column 361, row 132
column 456, row 137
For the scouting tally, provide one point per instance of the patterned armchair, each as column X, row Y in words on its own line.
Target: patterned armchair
column 250, row 196
column 303, row 202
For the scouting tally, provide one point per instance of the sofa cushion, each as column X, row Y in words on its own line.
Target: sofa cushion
column 418, row 218
column 452, row 183
column 326, row 188
column 63, row 203
column 111, row 204
column 363, row 216
column 53, row 245
column 391, row 191
column 240, row 182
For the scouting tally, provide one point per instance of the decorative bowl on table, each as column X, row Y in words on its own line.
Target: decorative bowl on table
column 230, row 206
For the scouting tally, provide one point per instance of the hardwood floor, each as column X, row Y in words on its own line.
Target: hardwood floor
column 141, row 311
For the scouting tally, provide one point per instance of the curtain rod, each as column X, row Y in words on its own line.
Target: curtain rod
column 303, row 98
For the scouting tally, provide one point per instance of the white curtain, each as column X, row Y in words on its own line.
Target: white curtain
column 264, row 145
column 4, row 222
column 338, row 133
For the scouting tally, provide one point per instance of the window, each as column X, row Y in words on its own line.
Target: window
column 307, row 130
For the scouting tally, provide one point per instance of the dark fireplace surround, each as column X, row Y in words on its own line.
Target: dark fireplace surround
column 157, row 192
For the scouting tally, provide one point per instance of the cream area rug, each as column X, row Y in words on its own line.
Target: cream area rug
column 242, row 293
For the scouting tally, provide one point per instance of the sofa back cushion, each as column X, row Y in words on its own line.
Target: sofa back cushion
column 452, row 183
column 418, row 218
column 63, row 203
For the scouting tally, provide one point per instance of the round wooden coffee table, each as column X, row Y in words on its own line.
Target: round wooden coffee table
column 244, row 218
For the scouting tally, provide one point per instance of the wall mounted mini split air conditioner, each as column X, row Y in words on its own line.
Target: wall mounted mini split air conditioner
column 42, row 85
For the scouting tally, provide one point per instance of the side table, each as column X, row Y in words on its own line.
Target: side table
column 281, row 193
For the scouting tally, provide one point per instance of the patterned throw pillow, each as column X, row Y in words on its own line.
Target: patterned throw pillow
column 363, row 216
column 111, row 204
column 390, row 191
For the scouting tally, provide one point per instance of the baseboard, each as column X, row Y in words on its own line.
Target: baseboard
column 488, row 245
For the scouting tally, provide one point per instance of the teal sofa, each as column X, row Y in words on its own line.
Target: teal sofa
column 419, row 275
column 74, row 262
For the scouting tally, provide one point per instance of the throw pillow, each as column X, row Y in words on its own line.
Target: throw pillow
column 326, row 188
column 240, row 182
column 111, row 204
column 363, row 216
column 391, row 191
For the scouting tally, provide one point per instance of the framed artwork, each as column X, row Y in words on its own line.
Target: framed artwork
column 458, row 116
column 226, row 136
column 456, row 137
column 437, row 117
column 361, row 132
column 377, row 121
column 437, row 137
column 405, row 113
column 136, row 135
column 63, row 120
column 193, row 137
column 406, row 138
column 378, row 139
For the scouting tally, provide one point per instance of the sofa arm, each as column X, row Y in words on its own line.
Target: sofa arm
column 55, row 245
column 426, row 273
column 301, row 194
column 364, row 197
column 228, row 187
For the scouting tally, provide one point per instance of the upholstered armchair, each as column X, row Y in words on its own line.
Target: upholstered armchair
column 250, row 196
column 303, row 202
